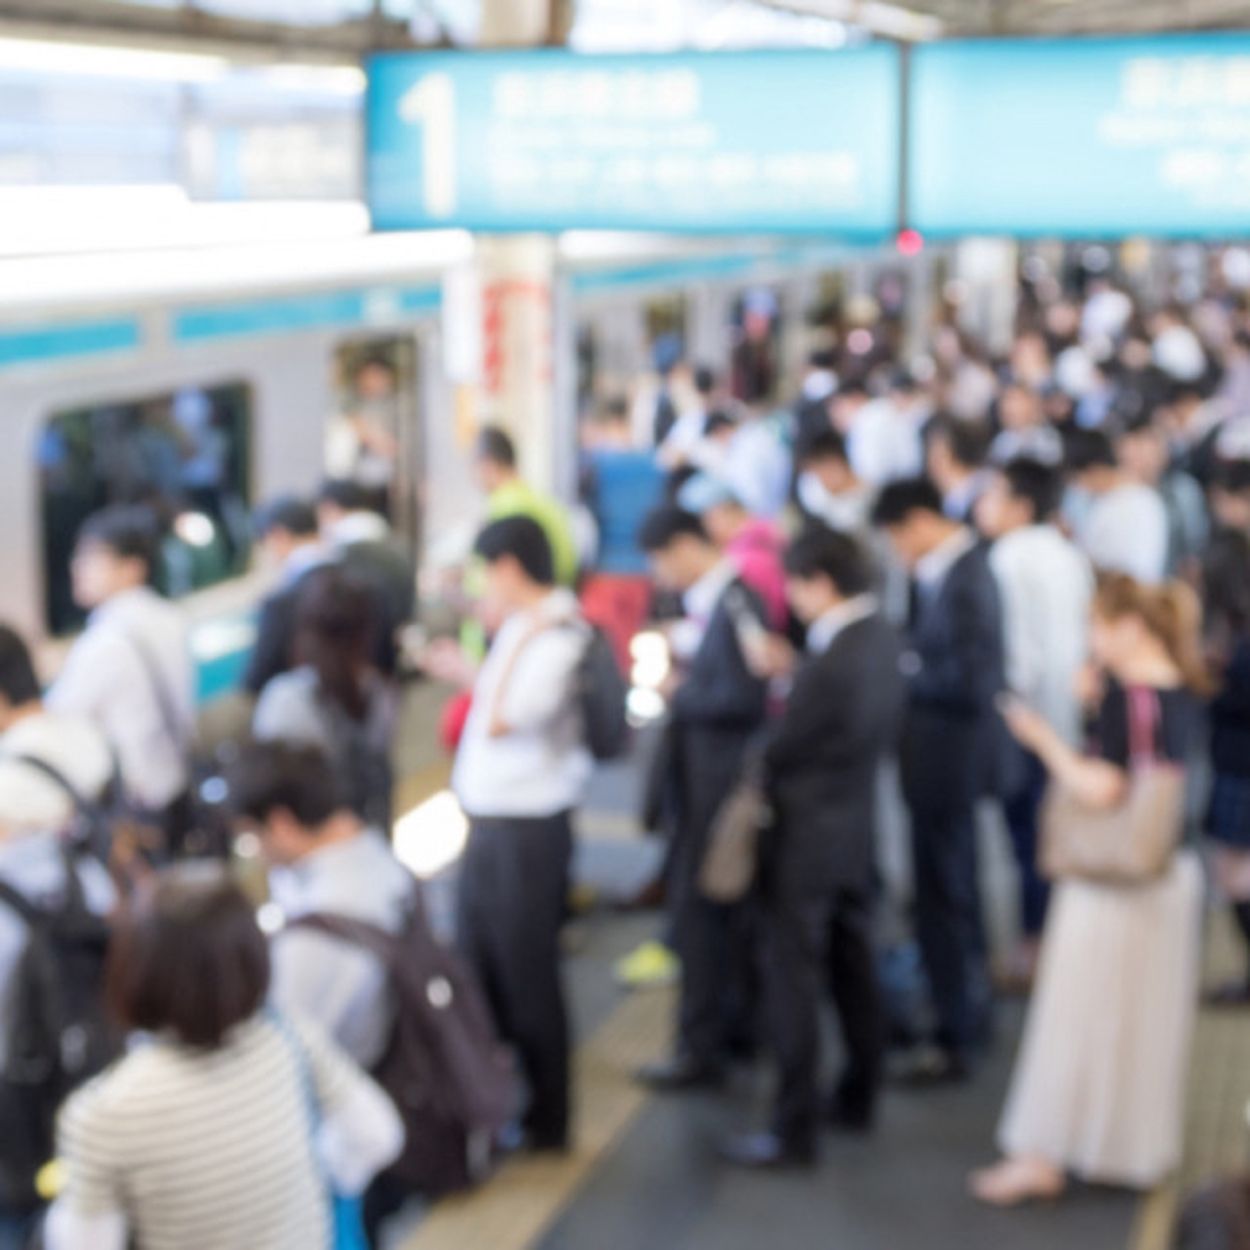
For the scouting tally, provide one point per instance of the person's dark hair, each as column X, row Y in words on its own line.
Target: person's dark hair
column 898, row 500
column 495, row 446
column 611, row 410
column 345, row 494
column 822, row 358
column 704, row 380
column 1036, row 484
column 1140, row 423
column 336, row 622
column 663, row 526
column 129, row 531
column 823, row 445
column 523, row 539
column 376, row 362
column 968, row 441
column 187, row 957
column 297, row 776
column 1232, row 477
column 288, row 513
column 853, row 388
column 821, row 552
column 18, row 683
column 717, row 421
column 1089, row 449
column 1226, row 578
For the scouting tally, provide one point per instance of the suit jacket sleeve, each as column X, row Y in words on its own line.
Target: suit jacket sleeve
column 965, row 676
column 721, row 690
column 271, row 652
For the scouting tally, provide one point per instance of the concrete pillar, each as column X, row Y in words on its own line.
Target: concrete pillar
column 517, row 276
column 987, row 268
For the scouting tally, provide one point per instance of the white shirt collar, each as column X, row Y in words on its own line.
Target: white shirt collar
column 125, row 601
column 933, row 568
column 822, row 631
column 304, row 557
column 359, row 527
column 701, row 599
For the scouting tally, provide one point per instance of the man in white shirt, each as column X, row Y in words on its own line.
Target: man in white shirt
column 828, row 489
column 758, row 463
column 323, row 861
column 130, row 671
column 885, row 439
column 520, row 772
column 1124, row 529
column 1045, row 586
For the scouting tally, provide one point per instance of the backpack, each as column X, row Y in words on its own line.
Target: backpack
column 450, row 1077
column 602, row 695
column 57, row 1032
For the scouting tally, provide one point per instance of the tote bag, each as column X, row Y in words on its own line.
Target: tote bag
column 1133, row 843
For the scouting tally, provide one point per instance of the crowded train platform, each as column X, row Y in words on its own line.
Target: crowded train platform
column 625, row 623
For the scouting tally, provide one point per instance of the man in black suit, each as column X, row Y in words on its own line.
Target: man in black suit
column 717, row 708
column 286, row 531
column 817, row 862
column 954, row 670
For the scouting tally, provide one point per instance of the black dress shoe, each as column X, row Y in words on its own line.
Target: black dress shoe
column 767, row 1152
column 682, row 1073
column 931, row 1067
column 845, row 1117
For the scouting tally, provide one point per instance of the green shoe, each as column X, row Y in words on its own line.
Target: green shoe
column 651, row 965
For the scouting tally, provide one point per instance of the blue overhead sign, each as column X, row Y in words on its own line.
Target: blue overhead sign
column 549, row 140
column 1081, row 137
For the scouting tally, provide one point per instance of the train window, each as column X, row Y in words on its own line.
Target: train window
column 185, row 454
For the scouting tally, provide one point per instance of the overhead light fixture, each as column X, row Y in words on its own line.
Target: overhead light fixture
column 110, row 61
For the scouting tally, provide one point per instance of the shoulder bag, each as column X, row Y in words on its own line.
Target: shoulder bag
column 1133, row 843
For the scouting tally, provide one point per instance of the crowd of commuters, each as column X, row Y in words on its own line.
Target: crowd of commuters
column 1024, row 581
column 1021, row 579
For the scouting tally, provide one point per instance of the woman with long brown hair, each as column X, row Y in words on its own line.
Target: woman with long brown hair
column 334, row 698
column 1098, row 1089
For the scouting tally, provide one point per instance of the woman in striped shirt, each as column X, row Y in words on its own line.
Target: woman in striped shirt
column 225, row 1125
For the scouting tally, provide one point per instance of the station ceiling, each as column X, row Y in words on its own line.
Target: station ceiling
column 1035, row 17
column 386, row 23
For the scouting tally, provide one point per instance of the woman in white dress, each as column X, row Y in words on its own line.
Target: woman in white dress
column 1098, row 1090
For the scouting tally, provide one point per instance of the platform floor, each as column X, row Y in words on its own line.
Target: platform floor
column 645, row 1176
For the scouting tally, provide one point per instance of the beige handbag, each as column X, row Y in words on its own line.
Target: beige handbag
column 731, row 860
column 1131, row 844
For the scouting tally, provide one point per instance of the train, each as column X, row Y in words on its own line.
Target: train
column 216, row 376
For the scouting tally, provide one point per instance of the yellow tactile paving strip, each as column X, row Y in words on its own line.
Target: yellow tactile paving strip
column 523, row 1200
column 1216, row 1136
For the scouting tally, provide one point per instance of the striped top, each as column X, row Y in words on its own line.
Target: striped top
column 212, row 1150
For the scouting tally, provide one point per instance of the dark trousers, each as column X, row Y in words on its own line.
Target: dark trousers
column 949, row 923
column 1023, row 812
column 716, row 946
column 810, row 938
column 513, row 895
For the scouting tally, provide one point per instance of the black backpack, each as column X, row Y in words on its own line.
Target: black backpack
column 57, row 1032
column 448, row 1074
column 602, row 694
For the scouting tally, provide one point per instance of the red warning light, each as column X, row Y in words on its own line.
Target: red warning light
column 909, row 242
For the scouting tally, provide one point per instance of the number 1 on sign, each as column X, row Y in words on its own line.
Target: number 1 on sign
column 431, row 103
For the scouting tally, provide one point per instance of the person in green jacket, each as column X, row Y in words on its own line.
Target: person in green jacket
column 508, row 494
